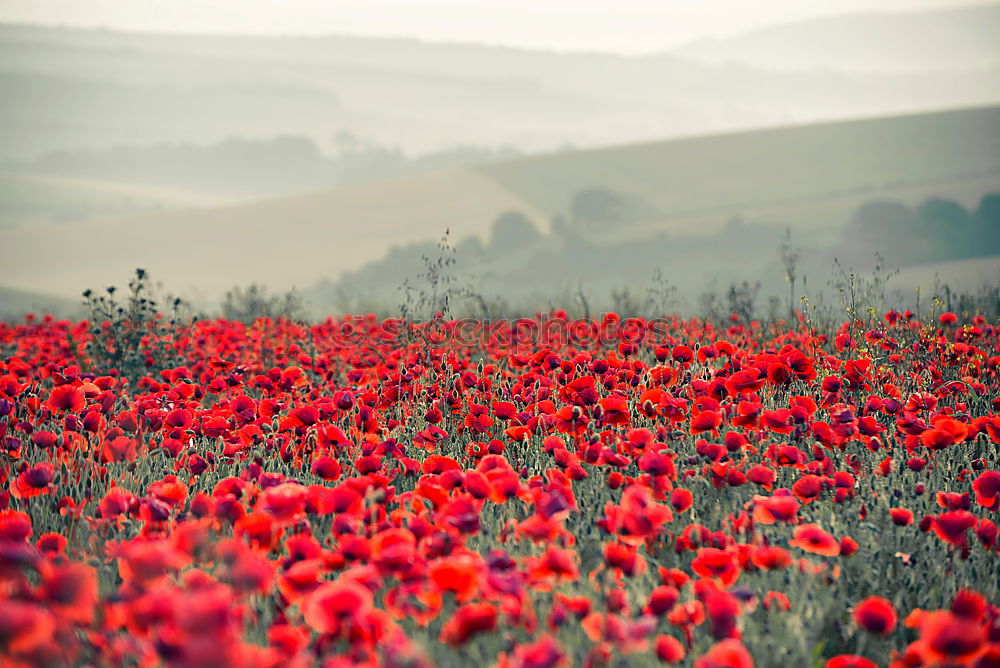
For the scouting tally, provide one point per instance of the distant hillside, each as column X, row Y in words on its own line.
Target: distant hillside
column 966, row 275
column 71, row 89
column 951, row 39
column 15, row 304
column 281, row 242
column 720, row 201
column 772, row 173
column 78, row 185
column 33, row 198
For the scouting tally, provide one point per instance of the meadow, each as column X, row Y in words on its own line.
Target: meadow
column 546, row 491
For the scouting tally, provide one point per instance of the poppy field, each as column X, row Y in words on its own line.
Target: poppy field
column 612, row 492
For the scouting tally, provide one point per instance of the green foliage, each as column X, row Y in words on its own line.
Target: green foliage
column 132, row 336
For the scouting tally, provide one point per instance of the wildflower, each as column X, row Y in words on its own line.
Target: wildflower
column 811, row 538
column 729, row 653
column 875, row 614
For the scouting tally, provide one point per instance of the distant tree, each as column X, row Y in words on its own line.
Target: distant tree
column 597, row 205
column 948, row 225
column 889, row 227
column 469, row 247
column 512, row 230
column 986, row 225
column 881, row 220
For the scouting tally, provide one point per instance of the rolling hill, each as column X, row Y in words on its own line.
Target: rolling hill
column 808, row 177
column 73, row 89
column 967, row 275
column 15, row 304
column 786, row 172
column 281, row 242
column 30, row 198
column 945, row 40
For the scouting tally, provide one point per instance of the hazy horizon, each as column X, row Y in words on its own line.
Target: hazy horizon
column 327, row 145
column 628, row 27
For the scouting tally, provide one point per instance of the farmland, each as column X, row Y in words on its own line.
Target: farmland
column 809, row 178
column 550, row 493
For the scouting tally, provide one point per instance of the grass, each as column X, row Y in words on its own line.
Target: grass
column 758, row 169
column 30, row 198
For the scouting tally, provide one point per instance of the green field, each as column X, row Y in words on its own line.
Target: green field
column 29, row 198
column 790, row 170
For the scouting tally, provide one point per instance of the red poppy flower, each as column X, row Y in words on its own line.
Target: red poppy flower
column 15, row 526
column 25, row 628
column 33, row 482
column 944, row 432
column 728, row 653
column 299, row 579
column 624, row 557
column 119, row 449
column 849, row 661
column 662, row 600
column 901, row 516
column 638, row 517
column 615, row 411
column 681, row 499
column 259, row 529
column 553, row 563
column 284, row 503
column 746, row 381
column 687, row 614
column 947, row 639
column 777, row 508
column 711, row 562
column 848, row 546
column 326, row 468
column 970, row 604
column 809, row 487
column 722, row 609
column 875, row 614
column 72, row 590
column 763, row 476
column 951, row 527
column 458, row 574
column 778, row 421
column 393, row 549
column 146, row 561
column 332, row 604
column 51, row 544
column 770, row 557
column 987, row 489
column 469, row 620
column 461, row 512
column 67, row 398
column 777, row 600
column 669, row 649
column 705, row 421
column 545, row 652
column 180, row 418
column 811, row 538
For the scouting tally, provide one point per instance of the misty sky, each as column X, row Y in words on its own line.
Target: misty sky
column 627, row 26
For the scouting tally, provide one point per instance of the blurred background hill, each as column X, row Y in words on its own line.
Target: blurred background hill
column 334, row 163
column 941, row 40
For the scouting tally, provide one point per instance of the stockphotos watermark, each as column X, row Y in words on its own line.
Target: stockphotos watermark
column 609, row 330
